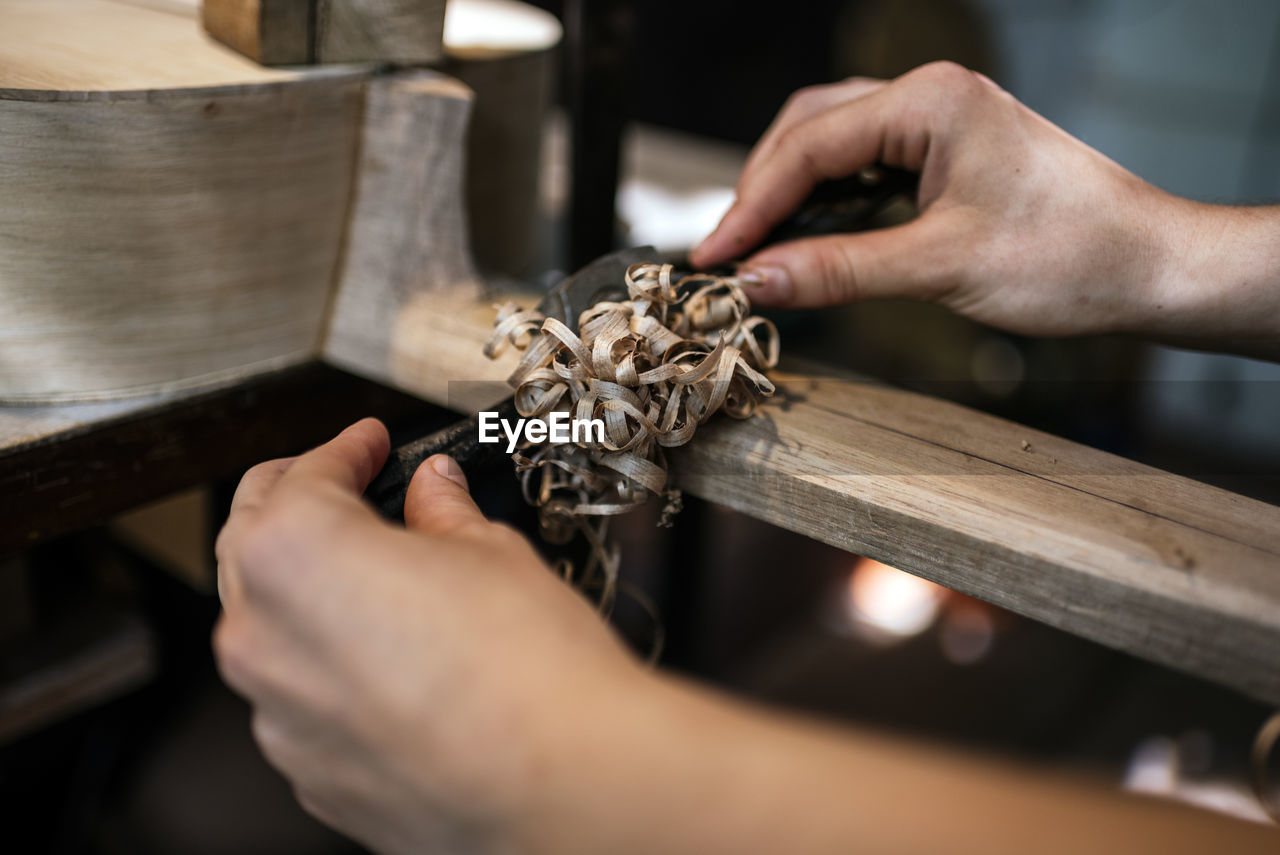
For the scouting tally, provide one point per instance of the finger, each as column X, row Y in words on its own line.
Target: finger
column 833, row 144
column 802, row 105
column 257, row 482
column 350, row 460
column 438, row 501
column 248, row 498
column 918, row 260
column 897, row 125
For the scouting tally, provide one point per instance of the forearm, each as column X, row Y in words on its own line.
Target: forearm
column 1219, row 285
column 689, row 771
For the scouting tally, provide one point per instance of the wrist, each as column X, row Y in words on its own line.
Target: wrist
column 650, row 767
column 1218, row 283
column 670, row 766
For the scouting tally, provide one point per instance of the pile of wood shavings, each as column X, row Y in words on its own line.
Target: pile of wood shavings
column 652, row 368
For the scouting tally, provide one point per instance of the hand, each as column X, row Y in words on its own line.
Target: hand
column 1022, row 226
column 436, row 689
column 423, row 689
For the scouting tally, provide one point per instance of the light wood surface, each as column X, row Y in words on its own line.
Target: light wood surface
column 270, row 32
column 83, row 46
column 1160, row 566
column 159, row 243
column 172, row 213
column 406, row 236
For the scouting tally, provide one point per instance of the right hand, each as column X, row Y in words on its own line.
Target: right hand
column 1022, row 226
column 424, row 689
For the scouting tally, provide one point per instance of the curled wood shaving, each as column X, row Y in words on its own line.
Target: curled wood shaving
column 652, row 368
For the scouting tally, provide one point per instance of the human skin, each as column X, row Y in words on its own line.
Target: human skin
column 437, row 689
column 1022, row 226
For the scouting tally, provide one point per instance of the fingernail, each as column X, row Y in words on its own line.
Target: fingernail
column 449, row 468
column 765, row 280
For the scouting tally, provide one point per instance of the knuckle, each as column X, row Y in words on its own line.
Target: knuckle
column 858, row 81
column 270, row 739
column 260, row 470
column 260, row 557
column 314, row 805
column 507, row 535
column 282, row 535
column 835, row 276
column 802, row 97
column 260, row 545
column 224, row 545
column 501, row 535
column 794, row 145
column 231, row 655
column 950, row 78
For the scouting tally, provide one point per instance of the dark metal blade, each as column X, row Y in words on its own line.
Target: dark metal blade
column 602, row 279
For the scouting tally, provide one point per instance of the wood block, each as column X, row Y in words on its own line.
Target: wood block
column 406, row 32
column 296, row 32
column 271, row 32
column 406, row 232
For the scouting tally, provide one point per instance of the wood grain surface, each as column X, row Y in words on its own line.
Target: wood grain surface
column 173, row 213
column 405, row 32
column 158, row 243
column 406, row 234
column 84, row 46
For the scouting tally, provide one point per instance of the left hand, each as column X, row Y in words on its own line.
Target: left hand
column 411, row 684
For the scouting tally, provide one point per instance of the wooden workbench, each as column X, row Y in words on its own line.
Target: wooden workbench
column 1155, row 564
column 65, row 467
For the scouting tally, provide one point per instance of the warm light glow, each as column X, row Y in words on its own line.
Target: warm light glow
column 887, row 603
column 967, row 633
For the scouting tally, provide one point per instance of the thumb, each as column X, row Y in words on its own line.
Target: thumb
column 918, row 260
column 438, row 501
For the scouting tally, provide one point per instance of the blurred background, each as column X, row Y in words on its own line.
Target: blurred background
column 117, row 737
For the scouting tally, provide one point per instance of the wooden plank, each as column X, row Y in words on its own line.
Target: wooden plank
column 270, row 32
column 107, row 46
column 1148, row 562
column 1188, row 576
column 64, row 468
column 406, row 32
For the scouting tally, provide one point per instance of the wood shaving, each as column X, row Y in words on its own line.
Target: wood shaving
column 653, row 368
